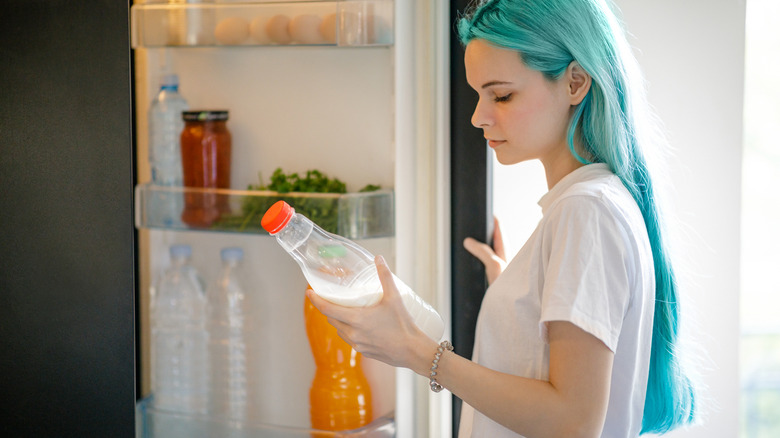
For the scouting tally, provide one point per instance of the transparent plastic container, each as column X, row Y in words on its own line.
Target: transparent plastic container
column 179, row 337
column 165, row 126
column 352, row 215
column 234, row 342
column 279, row 23
column 153, row 422
column 338, row 269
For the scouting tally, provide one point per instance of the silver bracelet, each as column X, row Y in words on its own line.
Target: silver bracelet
column 445, row 345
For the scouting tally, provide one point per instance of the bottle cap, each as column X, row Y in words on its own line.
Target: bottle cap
column 204, row 115
column 181, row 250
column 169, row 81
column 277, row 217
column 232, row 253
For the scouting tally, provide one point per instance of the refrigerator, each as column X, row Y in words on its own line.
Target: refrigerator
column 370, row 106
column 67, row 241
column 78, row 262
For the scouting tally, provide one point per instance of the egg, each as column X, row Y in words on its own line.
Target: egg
column 305, row 29
column 382, row 32
column 328, row 27
column 232, row 31
column 257, row 30
column 277, row 29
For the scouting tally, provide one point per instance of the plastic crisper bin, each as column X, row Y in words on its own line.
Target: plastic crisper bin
column 342, row 23
column 156, row 423
column 352, row 215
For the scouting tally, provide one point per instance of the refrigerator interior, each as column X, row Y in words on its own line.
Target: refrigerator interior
column 297, row 107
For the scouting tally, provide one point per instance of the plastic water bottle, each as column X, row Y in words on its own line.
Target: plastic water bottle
column 232, row 345
column 179, row 337
column 165, row 127
column 340, row 270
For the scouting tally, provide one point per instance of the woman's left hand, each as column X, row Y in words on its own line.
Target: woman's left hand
column 384, row 331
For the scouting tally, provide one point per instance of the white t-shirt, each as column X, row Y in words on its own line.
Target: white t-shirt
column 588, row 262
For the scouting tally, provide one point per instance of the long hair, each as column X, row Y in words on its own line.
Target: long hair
column 611, row 125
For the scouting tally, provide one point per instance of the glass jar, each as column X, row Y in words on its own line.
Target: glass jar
column 205, row 156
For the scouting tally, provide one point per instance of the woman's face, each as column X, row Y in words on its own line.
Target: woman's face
column 523, row 115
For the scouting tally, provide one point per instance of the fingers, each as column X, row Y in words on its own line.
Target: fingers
column 498, row 240
column 494, row 264
column 389, row 288
column 480, row 250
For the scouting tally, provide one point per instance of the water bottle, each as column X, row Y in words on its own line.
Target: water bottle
column 232, row 345
column 179, row 337
column 165, row 127
column 340, row 270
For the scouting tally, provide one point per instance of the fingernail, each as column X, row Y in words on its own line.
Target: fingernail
column 380, row 259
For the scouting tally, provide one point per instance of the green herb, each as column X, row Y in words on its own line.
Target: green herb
column 314, row 182
column 321, row 210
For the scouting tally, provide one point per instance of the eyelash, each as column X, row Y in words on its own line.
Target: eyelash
column 504, row 98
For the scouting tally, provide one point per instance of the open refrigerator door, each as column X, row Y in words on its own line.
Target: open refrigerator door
column 336, row 88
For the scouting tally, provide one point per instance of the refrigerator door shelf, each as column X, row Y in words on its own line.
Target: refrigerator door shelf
column 352, row 215
column 156, row 423
column 204, row 23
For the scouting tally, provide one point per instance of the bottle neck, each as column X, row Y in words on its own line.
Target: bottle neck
column 295, row 233
column 178, row 262
column 230, row 265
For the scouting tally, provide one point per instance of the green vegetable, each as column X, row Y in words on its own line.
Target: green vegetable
column 314, row 182
column 290, row 187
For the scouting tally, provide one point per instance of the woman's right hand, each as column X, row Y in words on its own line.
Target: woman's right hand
column 494, row 258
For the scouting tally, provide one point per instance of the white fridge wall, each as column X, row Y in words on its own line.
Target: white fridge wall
column 297, row 108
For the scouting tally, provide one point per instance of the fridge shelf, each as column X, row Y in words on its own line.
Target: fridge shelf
column 281, row 23
column 352, row 215
column 156, row 423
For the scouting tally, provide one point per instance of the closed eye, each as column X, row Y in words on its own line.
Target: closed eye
column 504, row 98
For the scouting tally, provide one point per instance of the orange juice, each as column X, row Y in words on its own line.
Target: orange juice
column 340, row 398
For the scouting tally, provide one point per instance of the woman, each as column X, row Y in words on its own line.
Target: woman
column 577, row 335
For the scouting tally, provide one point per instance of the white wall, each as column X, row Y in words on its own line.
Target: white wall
column 692, row 55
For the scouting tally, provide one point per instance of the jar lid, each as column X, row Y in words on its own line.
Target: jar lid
column 204, row 115
column 277, row 217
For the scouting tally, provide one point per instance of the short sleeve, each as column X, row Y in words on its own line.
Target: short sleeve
column 586, row 267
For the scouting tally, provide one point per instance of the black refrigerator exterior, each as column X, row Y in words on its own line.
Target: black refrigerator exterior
column 67, row 293
column 470, row 201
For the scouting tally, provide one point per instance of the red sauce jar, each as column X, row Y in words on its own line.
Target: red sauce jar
column 205, row 157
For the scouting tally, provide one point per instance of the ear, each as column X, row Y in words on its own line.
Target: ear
column 578, row 82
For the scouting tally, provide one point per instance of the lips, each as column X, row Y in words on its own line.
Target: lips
column 495, row 143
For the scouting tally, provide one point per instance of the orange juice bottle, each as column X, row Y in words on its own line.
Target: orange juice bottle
column 340, row 398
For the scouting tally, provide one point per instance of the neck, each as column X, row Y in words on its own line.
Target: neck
column 558, row 166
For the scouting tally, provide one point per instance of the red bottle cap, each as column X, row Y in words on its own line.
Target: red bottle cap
column 277, row 217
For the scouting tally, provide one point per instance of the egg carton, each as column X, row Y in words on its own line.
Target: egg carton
column 199, row 24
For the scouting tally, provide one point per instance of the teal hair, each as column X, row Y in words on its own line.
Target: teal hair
column 609, row 126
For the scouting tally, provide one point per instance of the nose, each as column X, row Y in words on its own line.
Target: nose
column 481, row 117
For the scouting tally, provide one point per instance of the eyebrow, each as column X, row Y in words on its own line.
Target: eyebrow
column 492, row 83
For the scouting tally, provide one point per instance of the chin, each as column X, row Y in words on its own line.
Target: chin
column 508, row 161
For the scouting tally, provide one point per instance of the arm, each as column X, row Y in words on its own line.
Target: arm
column 572, row 404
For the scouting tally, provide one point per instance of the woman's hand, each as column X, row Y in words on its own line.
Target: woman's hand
column 494, row 258
column 384, row 331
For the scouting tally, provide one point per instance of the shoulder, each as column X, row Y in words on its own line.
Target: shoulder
column 596, row 212
column 603, row 199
